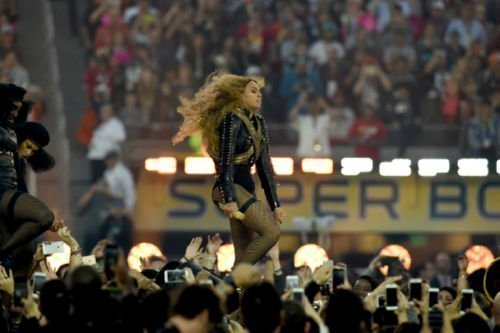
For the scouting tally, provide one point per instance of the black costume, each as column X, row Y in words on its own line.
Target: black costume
column 27, row 216
column 243, row 142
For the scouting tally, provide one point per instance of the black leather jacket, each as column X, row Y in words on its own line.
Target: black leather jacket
column 238, row 152
column 8, row 151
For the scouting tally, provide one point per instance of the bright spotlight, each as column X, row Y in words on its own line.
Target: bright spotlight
column 398, row 167
column 479, row 256
column 353, row 166
column 225, row 257
column 320, row 166
column 473, row 167
column 142, row 250
column 498, row 167
column 311, row 255
column 282, row 166
column 162, row 165
column 431, row 167
column 199, row 166
column 395, row 250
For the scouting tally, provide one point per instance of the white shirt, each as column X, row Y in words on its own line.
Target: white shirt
column 131, row 12
column 313, row 135
column 319, row 51
column 341, row 122
column 106, row 137
column 121, row 183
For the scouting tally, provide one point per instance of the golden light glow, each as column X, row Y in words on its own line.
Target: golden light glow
column 395, row 250
column 225, row 257
column 320, row 166
column 282, row 166
column 479, row 256
column 199, row 166
column 311, row 255
column 144, row 250
column 56, row 260
column 162, row 165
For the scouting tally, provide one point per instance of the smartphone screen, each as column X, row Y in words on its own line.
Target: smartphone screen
column 298, row 294
column 466, row 299
column 338, row 277
column 415, row 289
column 292, row 281
column 20, row 290
column 435, row 319
column 391, row 297
column 433, row 297
column 39, row 279
column 380, row 301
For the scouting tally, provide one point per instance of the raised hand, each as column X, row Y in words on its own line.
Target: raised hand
column 193, row 249
column 213, row 243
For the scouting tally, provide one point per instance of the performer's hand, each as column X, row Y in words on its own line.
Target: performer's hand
column 279, row 214
column 230, row 209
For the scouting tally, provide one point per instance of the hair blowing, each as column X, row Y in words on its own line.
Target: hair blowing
column 220, row 94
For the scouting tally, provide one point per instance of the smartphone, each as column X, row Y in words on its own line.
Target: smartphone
column 433, row 297
column 111, row 253
column 466, row 299
column 20, row 290
column 298, row 294
column 338, row 277
column 175, row 275
column 435, row 319
column 415, row 289
column 49, row 248
column 39, row 279
column 292, row 281
column 380, row 301
column 89, row 260
column 391, row 297
column 206, row 282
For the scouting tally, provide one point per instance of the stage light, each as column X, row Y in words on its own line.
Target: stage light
column 479, row 256
column 56, row 260
column 395, row 250
column 142, row 250
column 320, row 166
column 398, row 167
column 282, row 166
column 353, row 166
column 151, row 164
column 498, row 167
column 311, row 255
column 225, row 257
column 431, row 167
column 473, row 167
column 199, row 166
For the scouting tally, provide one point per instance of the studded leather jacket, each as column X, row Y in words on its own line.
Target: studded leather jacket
column 243, row 142
column 8, row 151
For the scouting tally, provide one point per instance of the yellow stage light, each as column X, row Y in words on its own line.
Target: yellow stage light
column 479, row 256
column 311, row 255
column 320, row 166
column 225, row 257
column 199, row 166
column 142, row 250
column 282, row 166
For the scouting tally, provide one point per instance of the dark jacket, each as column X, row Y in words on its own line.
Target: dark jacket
column 8, row 151
column 243, row 142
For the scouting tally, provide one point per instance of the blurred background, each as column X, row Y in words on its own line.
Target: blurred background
column 383, row 117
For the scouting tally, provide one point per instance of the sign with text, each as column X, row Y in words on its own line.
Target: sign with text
column 368, row 203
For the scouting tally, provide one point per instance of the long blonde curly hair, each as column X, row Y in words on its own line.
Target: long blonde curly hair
column 219, row 95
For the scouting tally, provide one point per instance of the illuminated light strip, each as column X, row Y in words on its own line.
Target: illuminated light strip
column 398, row 167
column 282, row 166
column 431, row 167
column 353, row 166
column 167, row 165
column 473, row 167
column 151, row 164
column 199, row 166
column 320, row 166
column 498, row 167
column 162, row 165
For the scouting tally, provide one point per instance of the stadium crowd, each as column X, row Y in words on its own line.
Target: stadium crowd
column 337, row 71
column 99, row 293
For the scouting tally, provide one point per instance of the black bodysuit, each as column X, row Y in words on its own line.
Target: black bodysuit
column 8, row 153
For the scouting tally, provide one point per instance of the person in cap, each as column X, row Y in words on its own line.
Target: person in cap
column 28, row 216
